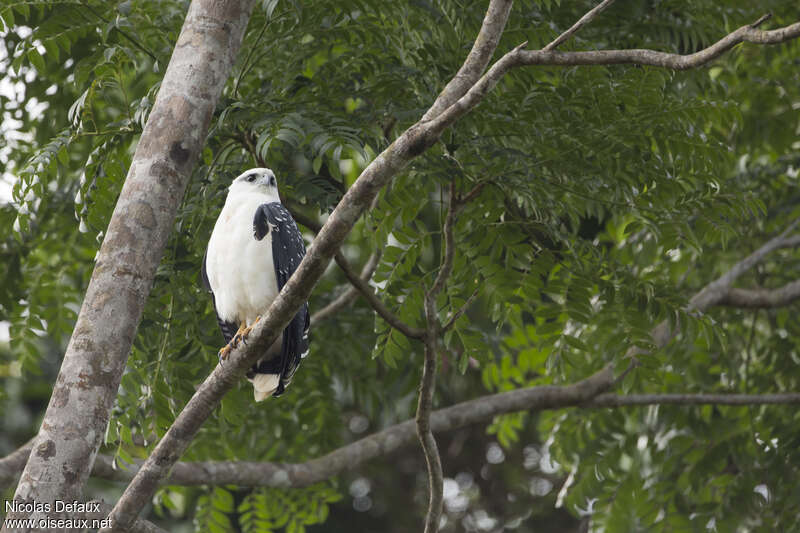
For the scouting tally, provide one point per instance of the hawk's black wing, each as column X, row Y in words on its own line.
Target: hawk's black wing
column 288, row 250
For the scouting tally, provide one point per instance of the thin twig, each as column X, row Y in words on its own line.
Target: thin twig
column 584, row 20
column 471, row 195
column 761, row 20
column 361, row 283
column 449, row 249
column 246, row 63
column 349, row 294
column 247, row 141
column 451, row 322
column 122, row 32
column 457, row 203
column 377, row 304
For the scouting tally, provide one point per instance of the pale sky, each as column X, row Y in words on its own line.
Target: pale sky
column 9, row 125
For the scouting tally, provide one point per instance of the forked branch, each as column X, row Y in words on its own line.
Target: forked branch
column 519, row 57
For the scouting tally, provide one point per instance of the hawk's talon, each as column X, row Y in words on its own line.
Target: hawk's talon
column 224, row 352
column 243, row 333
column 234, row 342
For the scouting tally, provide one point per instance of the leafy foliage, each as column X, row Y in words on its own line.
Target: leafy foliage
column 605, row 198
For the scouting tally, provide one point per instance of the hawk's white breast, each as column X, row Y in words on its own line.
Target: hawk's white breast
column 239, row 267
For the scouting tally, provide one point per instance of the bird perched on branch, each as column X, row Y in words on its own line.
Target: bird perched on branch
column 254, row 249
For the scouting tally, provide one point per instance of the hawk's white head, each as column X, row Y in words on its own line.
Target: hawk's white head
column 257, row 181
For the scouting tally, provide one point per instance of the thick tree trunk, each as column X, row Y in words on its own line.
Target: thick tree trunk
column 76, row 418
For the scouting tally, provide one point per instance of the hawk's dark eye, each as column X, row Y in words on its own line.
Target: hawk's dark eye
column 251, row 178
column 272, row 181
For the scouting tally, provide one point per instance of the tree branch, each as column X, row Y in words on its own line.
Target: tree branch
column 660, row 59
column 433, row 460
column 361, row 284
column 471, row 195
column 463, row 309
column 350, row 294
column 791, row 242
column 519, row 57
column 714, row 292
column 427, row 386
column 12, row 464
column 449, row 248
column 632, row 400
column 762, row 298
column 455, row 208
column 494, row 22
column 351, row 456
column 264, row 474
column 584, row 20
column 377, row 304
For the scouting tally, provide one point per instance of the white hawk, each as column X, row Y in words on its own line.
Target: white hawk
column 254, row 249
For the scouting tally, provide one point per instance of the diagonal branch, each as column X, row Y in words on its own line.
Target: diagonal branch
column 377, row 304
column 350, row 294
column 482, row 50
column 584, row 20
column 361, row 284
column 791, row 242
column 461, row 310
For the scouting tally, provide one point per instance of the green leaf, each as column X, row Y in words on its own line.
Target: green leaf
column 35, row 58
